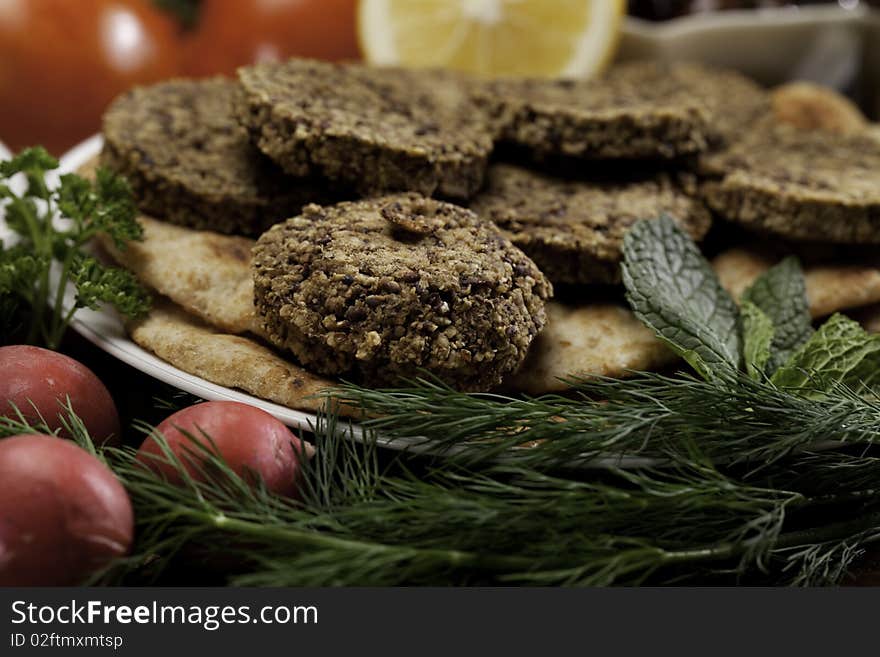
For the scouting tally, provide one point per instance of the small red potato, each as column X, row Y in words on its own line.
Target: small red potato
column 63, row 513
column 252, row 442
column 31, row 377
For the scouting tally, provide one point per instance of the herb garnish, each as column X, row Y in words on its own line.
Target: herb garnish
column 673, row 290
column 105, row 206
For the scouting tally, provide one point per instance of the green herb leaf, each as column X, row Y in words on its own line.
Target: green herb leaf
column 672, row 289
column 833, row 355
column 30, row 159
column 758, row 333
column 18, row 268
column 33, row 163
column 25, row 276
column 107, row 207
column 780, row 293
column 96, row 284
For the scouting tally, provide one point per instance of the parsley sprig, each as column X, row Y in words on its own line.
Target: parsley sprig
column 26, row 281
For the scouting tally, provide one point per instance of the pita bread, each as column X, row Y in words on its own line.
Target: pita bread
column 227, row 360
column 205, row 273
column 603, row 339
column 810, row 106
column 830, row 287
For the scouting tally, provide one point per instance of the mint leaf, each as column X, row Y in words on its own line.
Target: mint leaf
column 840, row 351
column 673, row 290
column 780, row 293
column 758, row 334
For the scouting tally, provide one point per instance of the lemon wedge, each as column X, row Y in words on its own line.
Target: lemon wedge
column 571, row 38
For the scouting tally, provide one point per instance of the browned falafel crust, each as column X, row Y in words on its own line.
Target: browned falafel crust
column 638, row 110
column 803, row 185
column 378, row 129
column 189, row 161
column 573, row 229
column 350, row 290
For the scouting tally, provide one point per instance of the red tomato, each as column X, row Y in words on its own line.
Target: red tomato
column 63, row 514
column 252, row 442
column 62, row 62
column 232, row 33
column 34, row 378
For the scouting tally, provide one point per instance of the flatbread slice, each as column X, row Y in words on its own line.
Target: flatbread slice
column 811, row 106
column 205, row 273
column 227, row 360
column 830, row 287
column 602, row 339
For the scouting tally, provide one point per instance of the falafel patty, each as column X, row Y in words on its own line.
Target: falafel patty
column 381, row 288
column 638, row 110
column 189, row 161
column 803, row 185
column 574, row 229
column 379, row 129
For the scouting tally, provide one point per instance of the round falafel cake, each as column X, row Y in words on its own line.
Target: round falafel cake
column 574, row 229
column 381, row 130
column 381, row 288
column 190, row 162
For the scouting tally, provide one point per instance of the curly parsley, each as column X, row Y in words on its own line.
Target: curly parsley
column 27, row 300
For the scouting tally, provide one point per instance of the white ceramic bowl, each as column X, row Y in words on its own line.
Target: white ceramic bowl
column 825, row 44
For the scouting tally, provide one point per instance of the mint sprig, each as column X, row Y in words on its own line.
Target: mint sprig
column 673, row 289
column 781, row 294
column 758, row 334
column 836, row 353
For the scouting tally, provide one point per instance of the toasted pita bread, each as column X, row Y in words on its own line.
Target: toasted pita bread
column 205, row 273
column 830, row 287
column 603, row 339
column 811, row 106
column 227, row 360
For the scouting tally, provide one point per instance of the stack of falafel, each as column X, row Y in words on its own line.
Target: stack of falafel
column 416, row 221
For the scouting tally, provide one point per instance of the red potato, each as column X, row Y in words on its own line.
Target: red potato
column 63, row 514
column 252, row 442
column 33, row 377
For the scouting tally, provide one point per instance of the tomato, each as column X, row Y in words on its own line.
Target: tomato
column 62, row 62
column 63, row 514
column 252, row 442
column 232, row 33
column 38, row 382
